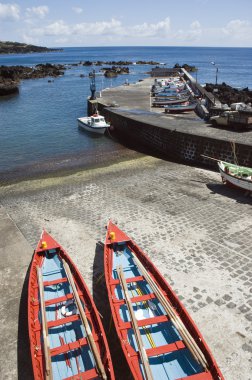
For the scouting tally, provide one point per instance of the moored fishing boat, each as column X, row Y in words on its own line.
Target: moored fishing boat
column 235, row 175
column 67, row 340
column 182, row 107
column 95, row 123
column 175, row 100
column 157, row 335
column 170, row 94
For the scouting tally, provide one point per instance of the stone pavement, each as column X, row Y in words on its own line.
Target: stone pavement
column 196, row 231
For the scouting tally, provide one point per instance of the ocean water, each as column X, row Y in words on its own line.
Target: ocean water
column 38, row 128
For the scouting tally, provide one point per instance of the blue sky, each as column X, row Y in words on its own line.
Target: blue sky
column 127, row 23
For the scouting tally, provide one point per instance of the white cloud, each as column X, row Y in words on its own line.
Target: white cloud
column 195, row 25
column 77, row 10
column 192, row 34
column 239, row 30
column 57, row 28
column 105, row 28
column 9, row 12
column 160, row 29
column 29, row 39
column 40, row 11
column 98, row 28
column 60, row 28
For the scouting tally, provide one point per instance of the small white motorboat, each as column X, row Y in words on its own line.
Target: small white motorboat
column 95, row 123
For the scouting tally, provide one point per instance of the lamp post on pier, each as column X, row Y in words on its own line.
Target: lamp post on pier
column 92, row 85
column 216, row 75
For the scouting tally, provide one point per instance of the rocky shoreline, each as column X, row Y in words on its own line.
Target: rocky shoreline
column 10, row 76
column 228, row 95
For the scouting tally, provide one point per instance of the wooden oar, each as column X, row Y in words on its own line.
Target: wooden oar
column 84, row 319
column 48, row 362
column 188, row 339
column 141, row 349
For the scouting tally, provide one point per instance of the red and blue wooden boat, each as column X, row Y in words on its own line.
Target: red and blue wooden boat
column 157, row 335
column 67, row 339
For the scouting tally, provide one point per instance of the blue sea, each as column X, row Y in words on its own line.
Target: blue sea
column 38, row 128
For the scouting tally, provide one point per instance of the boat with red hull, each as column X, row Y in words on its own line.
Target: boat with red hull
column 157, row 335
column 67, row 339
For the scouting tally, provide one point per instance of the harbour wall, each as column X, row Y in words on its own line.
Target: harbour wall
column 176, row 145
column 179, row 138
column 171, row 143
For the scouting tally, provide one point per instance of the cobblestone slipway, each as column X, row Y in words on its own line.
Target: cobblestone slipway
column 196, row 231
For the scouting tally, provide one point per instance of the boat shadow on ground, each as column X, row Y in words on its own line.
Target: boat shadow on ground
column 238, row 195
column 23, row 345
column 101, row 300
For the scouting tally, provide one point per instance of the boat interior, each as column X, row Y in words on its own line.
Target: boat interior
column 70, row 353
column 168, row 356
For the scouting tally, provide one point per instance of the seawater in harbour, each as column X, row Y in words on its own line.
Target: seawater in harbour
column 38, row 128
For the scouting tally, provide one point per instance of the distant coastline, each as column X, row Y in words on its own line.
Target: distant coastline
column 8, row 47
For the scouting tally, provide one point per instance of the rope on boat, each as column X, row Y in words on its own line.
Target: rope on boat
column 142, row 351
column 84, row 319
column 188, row 339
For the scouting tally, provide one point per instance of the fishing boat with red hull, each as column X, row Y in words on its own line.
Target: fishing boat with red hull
column 157, row 335
column 67, row 339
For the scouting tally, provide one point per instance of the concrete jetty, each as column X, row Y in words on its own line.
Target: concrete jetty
column 183, row 137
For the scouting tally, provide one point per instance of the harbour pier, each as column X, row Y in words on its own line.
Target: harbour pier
column 180, row 137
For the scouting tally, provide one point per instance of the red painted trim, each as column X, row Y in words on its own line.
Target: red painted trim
column 62, row 299
column 137, row 299
column 165, row 349
column 59, row 299
column 145, row 322
column 55, row 282
column 88, row 375
column 70, row 346
column 128, row 280
column 63, row 321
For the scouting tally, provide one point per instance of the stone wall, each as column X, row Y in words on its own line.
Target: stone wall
column 175, row 145
column 172, row 144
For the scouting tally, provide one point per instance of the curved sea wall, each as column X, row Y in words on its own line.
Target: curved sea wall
column 183, row 138
column 177, row 145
